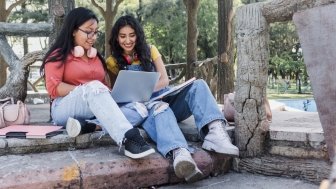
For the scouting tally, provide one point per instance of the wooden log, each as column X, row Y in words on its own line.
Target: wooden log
column 307, row 169
column 24, row 29
column 283, row 10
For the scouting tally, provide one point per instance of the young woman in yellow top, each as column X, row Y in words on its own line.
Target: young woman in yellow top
column 131, row 52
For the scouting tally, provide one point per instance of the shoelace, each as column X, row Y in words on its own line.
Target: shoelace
column 222, row 131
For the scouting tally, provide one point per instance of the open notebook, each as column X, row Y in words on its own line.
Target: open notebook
column 134, row 86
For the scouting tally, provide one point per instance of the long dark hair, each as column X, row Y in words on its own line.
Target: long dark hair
column 64, row 42
column 142, row 49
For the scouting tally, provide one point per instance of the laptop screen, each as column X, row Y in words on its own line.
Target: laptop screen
column 134, row 86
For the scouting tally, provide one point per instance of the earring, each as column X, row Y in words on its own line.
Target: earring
column 78, row 51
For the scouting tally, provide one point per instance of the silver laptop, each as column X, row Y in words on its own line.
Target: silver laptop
column 134, row 86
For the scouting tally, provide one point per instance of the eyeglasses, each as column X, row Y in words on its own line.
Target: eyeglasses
column 90, row 34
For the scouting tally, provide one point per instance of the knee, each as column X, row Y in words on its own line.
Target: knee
column 97, row 86
column 159, row 107
column 200, row 83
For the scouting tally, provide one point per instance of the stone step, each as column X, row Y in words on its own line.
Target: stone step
column 297, row 135
column 101, row 167
column 92, row 160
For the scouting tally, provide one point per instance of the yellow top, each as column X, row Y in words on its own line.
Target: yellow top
column 112, row 65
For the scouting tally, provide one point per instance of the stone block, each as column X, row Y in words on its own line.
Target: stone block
column 20, row 146
column 288, row 136
column 293, row 152
column 37, row 171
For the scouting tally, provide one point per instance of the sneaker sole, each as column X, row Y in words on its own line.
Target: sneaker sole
column 140, row 155
column 73, row 127
column 184, row 169
column 227, row 151
column 195, row 176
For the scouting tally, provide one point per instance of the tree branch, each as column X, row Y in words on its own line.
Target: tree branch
column 100, row 9
column 6, row 52
column 24, row 29
column 12, row 6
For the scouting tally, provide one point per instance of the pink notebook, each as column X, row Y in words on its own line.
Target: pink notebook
column 30, row 131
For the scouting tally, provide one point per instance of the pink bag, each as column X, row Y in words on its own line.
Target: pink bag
column 13, row 114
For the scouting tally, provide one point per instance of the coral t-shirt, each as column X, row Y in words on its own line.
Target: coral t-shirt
column 75, row 71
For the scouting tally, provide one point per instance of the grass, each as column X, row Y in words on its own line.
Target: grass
column 289, row 96
column 279, row 92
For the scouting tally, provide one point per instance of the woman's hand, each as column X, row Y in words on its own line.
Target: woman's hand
column 164, row 80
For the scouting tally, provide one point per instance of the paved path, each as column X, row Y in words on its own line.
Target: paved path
column 233, row 180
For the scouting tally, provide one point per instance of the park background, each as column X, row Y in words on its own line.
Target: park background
column 165, row 25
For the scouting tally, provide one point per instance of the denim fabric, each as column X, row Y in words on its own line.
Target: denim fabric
column 92, row 100
column 195, row 100
column 161, row 124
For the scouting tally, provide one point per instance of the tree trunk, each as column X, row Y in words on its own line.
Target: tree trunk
column 4, row 12
column 192, row 34
column 225, row 50
column 109, row 15
column 16, row 84
column 58, row 9
column 252, row 49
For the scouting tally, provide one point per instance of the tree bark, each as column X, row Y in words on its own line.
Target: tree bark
column 29, row 30
column 307, row 169
column 225, row 49
column 58, row 9
column 16, row 84
column 4, row 12
column 192, row 34
column 109, row 14
column 252, row 49
column 283, row 10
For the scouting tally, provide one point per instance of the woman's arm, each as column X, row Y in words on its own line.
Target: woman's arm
column 64, row 89
column 54, row 80
column 160, row 67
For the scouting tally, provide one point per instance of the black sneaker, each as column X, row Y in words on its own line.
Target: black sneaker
column 135, row 145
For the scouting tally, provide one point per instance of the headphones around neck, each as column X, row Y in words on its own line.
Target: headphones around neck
column 130, row 59
column 78, row 51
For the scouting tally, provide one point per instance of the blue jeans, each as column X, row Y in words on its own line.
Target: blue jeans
column 91, row 100
column 161, row 124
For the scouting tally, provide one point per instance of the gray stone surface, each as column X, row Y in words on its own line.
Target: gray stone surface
column 234, row 180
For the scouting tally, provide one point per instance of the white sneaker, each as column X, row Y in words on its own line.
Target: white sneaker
column 185, row 166
column 73, row 127
column 219, row 141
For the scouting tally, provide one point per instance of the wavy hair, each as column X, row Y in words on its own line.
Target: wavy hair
column 142, row 49
column 64, row 42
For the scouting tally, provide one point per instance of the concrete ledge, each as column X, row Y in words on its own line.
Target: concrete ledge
column 103, row 167
column 95, row 139
column 299, row 152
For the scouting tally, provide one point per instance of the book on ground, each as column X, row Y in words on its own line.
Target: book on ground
column 30, row 131
column 173, row 90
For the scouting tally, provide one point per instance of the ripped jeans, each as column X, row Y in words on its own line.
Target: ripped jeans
column 90, row 100
column 163, row 116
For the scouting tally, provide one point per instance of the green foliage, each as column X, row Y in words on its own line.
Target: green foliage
column 165, row 25
column 208, row 29
column 33, row 11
